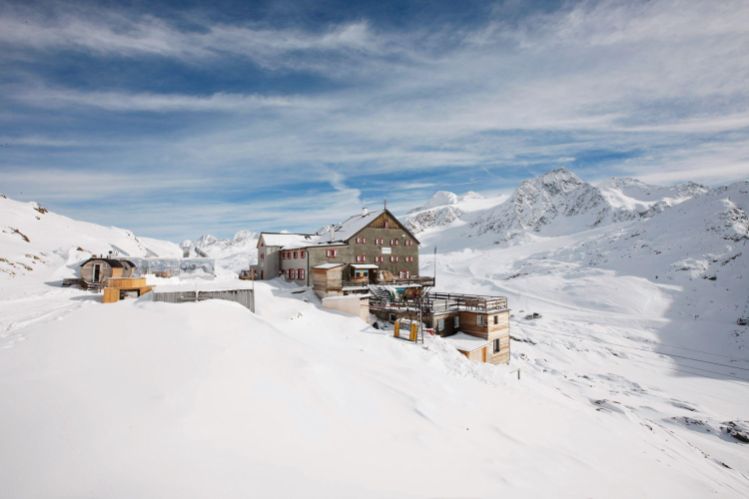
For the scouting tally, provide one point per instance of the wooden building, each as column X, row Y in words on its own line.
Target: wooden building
column 95, row 271
column 477, row 325
column 118, row 288
column 364, row 249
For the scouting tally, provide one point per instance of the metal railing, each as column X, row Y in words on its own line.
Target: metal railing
column 450, row 302
column 364, row 282
column 436, row 303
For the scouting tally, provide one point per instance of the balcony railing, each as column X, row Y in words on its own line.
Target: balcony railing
column 449, row 302
column 406, row 281
column 438, row 303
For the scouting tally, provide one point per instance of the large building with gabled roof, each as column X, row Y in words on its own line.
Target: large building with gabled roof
column 367, row 248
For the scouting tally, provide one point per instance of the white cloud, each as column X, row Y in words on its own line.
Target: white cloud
column 109, row 32
column 143, row 101
column 665, row 78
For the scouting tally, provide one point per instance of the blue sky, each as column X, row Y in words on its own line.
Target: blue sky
column 177, row 119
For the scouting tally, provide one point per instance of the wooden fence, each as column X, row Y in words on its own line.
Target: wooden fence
column 242, row 296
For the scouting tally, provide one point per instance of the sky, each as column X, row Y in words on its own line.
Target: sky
column 176, row 119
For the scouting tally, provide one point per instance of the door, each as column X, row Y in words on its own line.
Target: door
column 97, row 272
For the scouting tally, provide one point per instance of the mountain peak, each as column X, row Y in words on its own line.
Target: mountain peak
column 442, row 198
column 555, row 181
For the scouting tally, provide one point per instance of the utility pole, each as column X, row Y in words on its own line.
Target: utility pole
column 435, row 265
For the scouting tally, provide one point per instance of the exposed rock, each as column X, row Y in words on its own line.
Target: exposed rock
column 738, row 430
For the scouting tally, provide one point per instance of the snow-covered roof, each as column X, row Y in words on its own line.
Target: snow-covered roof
column 331, row 236
column 465, row 342
column 327, row 266
column 364, row 266
column 286, row 239
column 353, row 224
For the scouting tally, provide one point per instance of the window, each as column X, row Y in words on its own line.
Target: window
column 482, row 320
column 387, row 224
column 379, row 241
column 379, row 259
column 295, row 254
column 331, row 253
column 394, row 242
column 361, row 258
column 409, row 259
column 456, row 322
column 300, row 274
column 301, row 254
column 496, row 345
column 404, row 274
column 361, row 240
column 394, row 258
column 409, row 242
column 288, row 274
column 496, row 319
column 441, row 325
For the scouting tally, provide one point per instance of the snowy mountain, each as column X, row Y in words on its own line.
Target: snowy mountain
column 559, row 197
column 447, row 209
column 632, row 379
column 36, row 241
column 231, row 255
column 636, row 197
column 556, row 203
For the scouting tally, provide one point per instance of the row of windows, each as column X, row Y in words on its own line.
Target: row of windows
column 379, row 241
column 292, row 255
column 295, row 274
column 381, row 259
column 332, row 253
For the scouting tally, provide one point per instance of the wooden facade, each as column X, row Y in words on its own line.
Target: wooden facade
column 372, row 247
column 95, row 271
column 484, row 317
column 327, row 279
column 118, row 288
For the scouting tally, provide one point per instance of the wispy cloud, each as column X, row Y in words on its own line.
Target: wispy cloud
column 153, row 102
column 347, row 107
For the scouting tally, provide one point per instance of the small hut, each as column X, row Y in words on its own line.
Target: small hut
column 96, row 270
column 327, row 279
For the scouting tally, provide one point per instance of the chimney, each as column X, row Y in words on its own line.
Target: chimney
column 364, row 212
column 332, row 233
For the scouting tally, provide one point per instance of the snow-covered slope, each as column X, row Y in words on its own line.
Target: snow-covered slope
column 636, row 196
column 558, row 199
column 231, row 255
column 447, row 209
column 168, row 401
column 36, row 243
column 556, row 203
column 628, row 385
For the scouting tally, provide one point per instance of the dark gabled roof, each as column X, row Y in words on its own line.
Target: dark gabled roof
column 113, row 262
column 361, row 222
column 335, row 234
